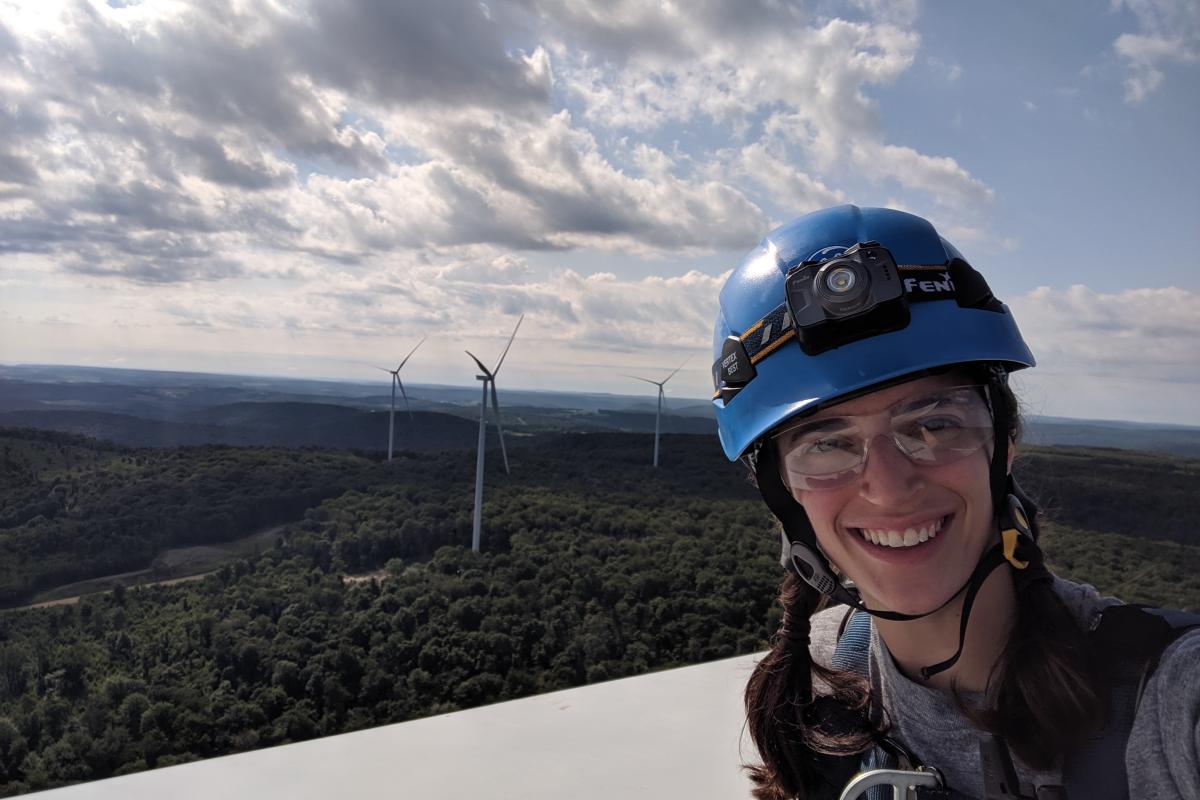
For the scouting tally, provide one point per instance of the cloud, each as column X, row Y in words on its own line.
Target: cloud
column 462, row 298
column 444, row 54
column 806, row 77
column 897, row 12
column 950, row 185
column 505, row 269
column 521, row 184
column 1168, row 33
column 160, row 270
column 1147, row 334
column 375, row 165
column 256, row 125
column 765, row 164
column 699, row 67
column 951, row 71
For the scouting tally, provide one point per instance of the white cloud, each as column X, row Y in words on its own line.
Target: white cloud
column 1147, row 334
column 808, row 76
column 1168, row 33
column 766, row 163
column 504, row 269
column 159, row 142
column 458, row 297
column 897, row 12
column 951, row 71
column 364, row 168
column 950, row 185
column 1127, row 355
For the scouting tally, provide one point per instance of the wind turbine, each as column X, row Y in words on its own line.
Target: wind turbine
column 489, row 381
column 661, row 401
column 396, row 382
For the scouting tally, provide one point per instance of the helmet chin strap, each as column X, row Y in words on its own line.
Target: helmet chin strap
column 1018, row 531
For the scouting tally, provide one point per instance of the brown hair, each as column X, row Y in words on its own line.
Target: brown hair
column 1045, row 696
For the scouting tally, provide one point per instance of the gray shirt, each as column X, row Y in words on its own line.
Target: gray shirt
column 1163, row 756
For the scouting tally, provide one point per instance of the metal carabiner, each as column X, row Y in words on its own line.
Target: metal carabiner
column 901, row 781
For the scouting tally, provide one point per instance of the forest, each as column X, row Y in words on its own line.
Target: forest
column 595, row 566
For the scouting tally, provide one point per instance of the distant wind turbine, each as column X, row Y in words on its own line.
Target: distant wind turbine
column 396, row 382
column 489, row 381
column 661, row 402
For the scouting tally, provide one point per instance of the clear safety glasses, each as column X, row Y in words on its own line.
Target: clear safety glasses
column 938, row 427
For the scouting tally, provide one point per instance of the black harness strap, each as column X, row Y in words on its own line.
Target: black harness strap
column 1138, row 635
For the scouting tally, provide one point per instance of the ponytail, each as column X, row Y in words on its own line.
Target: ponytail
column 793, row 729
column 1048, row 694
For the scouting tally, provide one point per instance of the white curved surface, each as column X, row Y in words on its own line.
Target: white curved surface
column 676, row 733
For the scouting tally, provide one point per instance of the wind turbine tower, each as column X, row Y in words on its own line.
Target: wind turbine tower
column 661, row 402
column 489, row 383
column 396, row 382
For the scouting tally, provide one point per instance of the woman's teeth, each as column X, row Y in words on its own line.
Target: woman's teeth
column 905, row 538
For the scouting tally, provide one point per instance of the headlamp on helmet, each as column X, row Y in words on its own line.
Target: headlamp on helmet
column 847, row 298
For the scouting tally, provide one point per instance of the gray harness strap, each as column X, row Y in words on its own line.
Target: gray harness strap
column 853, row 653
column 1134, row 636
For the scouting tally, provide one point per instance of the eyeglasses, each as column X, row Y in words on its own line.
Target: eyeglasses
column 935, row 428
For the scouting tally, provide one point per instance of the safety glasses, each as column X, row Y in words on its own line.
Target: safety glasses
column 938, row 427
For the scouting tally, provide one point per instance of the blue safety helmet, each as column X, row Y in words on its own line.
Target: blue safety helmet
column 947, row 316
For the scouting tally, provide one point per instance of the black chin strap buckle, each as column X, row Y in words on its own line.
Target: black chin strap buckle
column 809, row 565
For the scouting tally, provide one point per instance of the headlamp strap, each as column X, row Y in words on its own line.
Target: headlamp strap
column 740, row 354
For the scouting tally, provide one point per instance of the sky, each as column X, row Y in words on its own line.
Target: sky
column 302, row 188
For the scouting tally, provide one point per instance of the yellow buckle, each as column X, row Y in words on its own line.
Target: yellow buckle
column 1010, row 538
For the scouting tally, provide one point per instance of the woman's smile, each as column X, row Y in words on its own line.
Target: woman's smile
column 909, row 535
column 903, row 543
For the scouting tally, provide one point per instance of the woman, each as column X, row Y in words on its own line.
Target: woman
column 862, row 373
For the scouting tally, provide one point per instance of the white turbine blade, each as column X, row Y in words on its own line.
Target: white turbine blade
column 672, row 375
column 364, row 364
column 499, row 428
column 479, row 363
column 662, row 396
column 410, row 352
column 636, row 378
column 510, row 341
column 407, row 407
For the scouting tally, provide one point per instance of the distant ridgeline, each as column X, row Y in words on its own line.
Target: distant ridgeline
column 595, row 566
column 151, row 409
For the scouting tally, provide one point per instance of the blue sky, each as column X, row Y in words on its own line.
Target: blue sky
column 253, row 187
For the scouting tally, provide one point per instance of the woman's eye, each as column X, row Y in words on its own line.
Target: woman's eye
column 937, row 424
column 826, row 445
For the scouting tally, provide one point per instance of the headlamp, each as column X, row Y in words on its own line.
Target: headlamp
column 849, row 297
column 860, row 293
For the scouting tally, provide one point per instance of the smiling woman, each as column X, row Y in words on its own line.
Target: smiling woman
column 861, row 369
column 881, row 520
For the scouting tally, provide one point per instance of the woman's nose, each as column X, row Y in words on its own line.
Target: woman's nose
column 888, row 477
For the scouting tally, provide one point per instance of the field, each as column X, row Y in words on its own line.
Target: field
column 172, row 566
